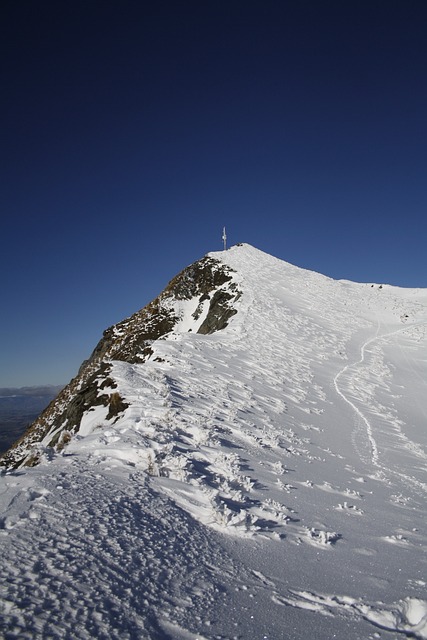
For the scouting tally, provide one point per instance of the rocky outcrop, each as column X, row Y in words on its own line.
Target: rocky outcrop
column 130, row 341
column 220, row 311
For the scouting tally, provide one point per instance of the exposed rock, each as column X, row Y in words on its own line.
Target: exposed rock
column 220, row 311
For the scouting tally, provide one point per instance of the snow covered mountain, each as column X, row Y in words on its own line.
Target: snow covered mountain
column 198, row 299
column 245, row 457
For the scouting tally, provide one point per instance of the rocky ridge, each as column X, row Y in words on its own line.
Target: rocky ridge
column 200, row 298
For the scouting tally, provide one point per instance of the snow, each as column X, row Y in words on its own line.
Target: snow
column 266, row 481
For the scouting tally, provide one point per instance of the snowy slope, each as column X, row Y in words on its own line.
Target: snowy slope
column 266, row 480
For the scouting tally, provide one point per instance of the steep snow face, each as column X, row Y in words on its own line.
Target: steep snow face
column 298, row 428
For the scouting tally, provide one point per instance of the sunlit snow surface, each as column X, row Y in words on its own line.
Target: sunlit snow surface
column 267, row 481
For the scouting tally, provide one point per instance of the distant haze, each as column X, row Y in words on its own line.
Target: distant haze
column 19, row 407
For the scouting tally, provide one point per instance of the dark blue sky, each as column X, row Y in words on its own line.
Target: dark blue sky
column 133, row 131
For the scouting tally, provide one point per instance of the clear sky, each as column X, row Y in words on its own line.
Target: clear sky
column 133, row 131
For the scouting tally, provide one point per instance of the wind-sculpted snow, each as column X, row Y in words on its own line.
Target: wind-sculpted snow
column 408, row 616
column 267, row 480
column 100, row 555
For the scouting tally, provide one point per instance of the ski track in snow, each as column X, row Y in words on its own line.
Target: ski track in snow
column 375, row 454
column 234, row 490
column 374, row 448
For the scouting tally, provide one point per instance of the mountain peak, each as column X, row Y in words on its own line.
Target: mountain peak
column 201, row 299
column 250, row 398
